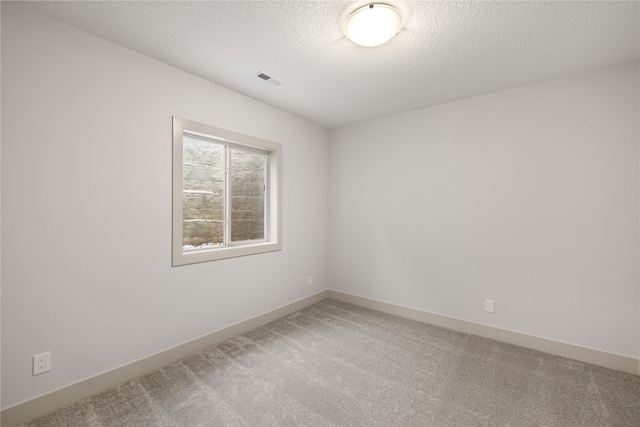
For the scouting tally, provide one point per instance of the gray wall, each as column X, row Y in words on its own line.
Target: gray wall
column 527, row 196
column 86, row 208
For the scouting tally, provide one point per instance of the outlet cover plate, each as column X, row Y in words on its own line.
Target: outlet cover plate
column 41, row 363
column 488, row 305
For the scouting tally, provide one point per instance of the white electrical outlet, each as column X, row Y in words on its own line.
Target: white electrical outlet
column 41, row 363
column 488, row 305
column 310, row 281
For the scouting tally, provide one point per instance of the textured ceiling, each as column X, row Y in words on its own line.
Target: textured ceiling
column 446, row 50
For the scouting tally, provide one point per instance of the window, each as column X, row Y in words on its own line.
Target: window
column 226, row 194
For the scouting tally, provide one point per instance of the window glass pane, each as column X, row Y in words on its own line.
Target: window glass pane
column 203, row 194
column 247, row 187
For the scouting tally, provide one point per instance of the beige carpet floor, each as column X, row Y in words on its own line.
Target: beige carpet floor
column 335, row 364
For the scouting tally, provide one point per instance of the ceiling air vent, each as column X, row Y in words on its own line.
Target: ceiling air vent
column 268, row 78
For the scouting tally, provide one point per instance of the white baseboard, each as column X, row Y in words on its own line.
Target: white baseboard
column 35, row 408
column 583, row 354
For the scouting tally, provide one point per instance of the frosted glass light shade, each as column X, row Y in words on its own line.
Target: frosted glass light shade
column 373, row 24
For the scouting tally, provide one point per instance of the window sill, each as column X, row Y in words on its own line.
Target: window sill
column 184, row 258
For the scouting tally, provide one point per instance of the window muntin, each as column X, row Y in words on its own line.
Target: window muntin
column 226, row 194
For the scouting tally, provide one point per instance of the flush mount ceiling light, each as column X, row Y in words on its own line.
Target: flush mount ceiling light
column 373, row 24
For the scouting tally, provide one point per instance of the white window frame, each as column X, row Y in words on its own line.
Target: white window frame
column 273, row 194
